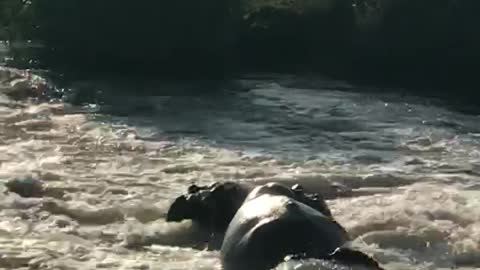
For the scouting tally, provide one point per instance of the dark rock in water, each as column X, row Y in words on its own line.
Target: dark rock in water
column 20, row 84
column 26, row 187
column 414, row 161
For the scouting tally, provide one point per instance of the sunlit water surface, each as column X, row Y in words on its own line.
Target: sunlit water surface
column 112, row 168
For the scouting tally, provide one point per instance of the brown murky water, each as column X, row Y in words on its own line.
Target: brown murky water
column 110, row 173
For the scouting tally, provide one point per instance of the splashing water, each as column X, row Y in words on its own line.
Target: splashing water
column 401, row 175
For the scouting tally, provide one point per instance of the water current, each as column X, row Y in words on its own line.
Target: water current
column 401, row 173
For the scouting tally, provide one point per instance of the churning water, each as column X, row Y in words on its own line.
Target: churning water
column 401, row 174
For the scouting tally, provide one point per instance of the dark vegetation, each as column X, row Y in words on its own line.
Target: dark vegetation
column 425, row 43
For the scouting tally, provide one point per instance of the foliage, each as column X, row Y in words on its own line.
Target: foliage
column 16, row 19
column 381, row 39
column 418, row 40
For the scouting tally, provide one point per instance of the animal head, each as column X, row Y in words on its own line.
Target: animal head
column 212, row 206
column 193, row 205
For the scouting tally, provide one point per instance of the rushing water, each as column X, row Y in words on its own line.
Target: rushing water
column 401, row 173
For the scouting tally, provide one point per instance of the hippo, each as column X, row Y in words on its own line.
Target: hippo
column 271, row 225
column 258, row 227
column 213, row 207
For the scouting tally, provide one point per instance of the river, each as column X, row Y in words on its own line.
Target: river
column 408, row 168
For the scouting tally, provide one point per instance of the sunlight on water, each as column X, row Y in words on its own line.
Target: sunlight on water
column 402, row 176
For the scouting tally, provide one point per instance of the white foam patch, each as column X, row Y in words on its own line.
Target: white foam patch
column 163, row 233
column 427, row 223
column 107, row 191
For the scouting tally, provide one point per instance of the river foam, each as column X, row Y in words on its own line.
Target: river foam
column 405, row 190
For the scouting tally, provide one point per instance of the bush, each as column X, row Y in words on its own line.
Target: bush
column 173, row 35
column 16, row 20
column 422, row 41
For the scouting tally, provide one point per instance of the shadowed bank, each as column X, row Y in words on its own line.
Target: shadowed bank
column 424, row 44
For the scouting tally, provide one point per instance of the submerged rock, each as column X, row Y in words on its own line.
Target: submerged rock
column 26, row 187
column 19, row 84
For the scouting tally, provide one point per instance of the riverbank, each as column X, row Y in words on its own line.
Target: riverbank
column 416, row 44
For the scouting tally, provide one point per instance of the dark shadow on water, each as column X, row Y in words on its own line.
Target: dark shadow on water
column 291, row 116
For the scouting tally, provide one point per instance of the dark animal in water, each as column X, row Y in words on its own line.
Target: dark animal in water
column 271, row 225
column 256, row 227
column 213, row 207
